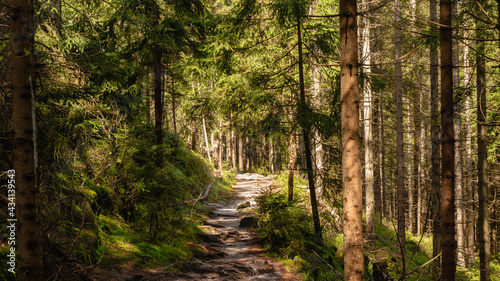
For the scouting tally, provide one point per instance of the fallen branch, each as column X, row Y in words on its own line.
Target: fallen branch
column 203, row 196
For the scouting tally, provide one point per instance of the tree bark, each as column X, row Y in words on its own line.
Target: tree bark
column 306, row 132
column 420, row 170
column 482, row 158
column 207, row 144
column 435, row 165
column 24, row 173
column 401, row 198
column 241, row 154
column 367, row 122
column 351, row 151
column 172, row 90
column 461, row 242
column 448, row 244
column 470, row 228
column 383, row 193
column 158, row 98
column 292, row 164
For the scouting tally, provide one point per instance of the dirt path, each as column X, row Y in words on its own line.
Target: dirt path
column 231, row 251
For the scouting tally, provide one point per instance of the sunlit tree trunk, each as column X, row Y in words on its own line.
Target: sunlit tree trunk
column 470, row 228
column 367, row 122
column 220, row 147
column 234, row 148
column 351, row 151
column 241, row 154
column 207, row 144
column 420, row 159
column 410, row 161
column 383, row 193
column 29, row 234
column 401, row 198
column 461, row 242
column 292, row 164
column 483, row 227
column 435, row 161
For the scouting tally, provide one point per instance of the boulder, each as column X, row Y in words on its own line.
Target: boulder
column 243, row 205
column 249, row 222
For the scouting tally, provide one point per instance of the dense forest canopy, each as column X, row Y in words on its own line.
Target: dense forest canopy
column 116, row 116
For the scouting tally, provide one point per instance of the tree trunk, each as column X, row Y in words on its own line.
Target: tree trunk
column 470, row 228
column 271, row 156
column 383, row 194
column 306, row 132
column 220, row 147
column 241, row 154
column 435, row 165
column 461, row 242
column 448, row 244
column 401, row 198
column 158, row 98
column 236, row 151
column 194, row 136
column 367, row 120
column 410, row 161
column 207, row 144
column 24, row 173
column 351, row 151
column 482, row 158
column 172, row 90
column 292, row 164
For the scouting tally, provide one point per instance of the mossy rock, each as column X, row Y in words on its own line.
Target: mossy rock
column 243, row 205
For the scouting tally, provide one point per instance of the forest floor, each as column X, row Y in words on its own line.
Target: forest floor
column 230, row 250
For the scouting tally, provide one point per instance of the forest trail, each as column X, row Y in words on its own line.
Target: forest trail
column 231, row 251
column 228, row 252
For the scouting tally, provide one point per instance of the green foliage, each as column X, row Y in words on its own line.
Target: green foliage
column 288, row 230
column 283, row 221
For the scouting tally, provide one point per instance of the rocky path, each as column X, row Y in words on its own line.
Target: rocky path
column 231, row 250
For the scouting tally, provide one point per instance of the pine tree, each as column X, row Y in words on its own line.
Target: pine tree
column 448, row 145
column 351, row 151
column 29, row 234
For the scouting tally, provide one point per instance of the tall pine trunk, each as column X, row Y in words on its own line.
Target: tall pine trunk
column 158, row 98
column 448, row 244
column 29, row 235
column 470, row 228
column 483, row 227
column 401, row 198
column 351, row 151
column 367, row 120
column 306, row 132
column 435, row 161
column 461, row 242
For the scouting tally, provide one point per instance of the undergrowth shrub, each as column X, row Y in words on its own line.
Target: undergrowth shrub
column 287, row 228
column 106, row 194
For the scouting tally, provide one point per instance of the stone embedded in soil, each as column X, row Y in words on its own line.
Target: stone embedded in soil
column 248, row 222
column 243, row 205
